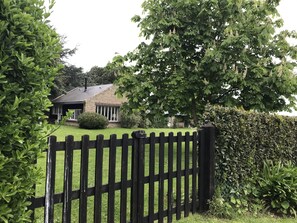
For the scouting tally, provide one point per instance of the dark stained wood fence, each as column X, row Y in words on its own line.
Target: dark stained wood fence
column 158, row 178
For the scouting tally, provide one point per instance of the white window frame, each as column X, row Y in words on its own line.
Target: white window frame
column 75, row 114
column 111, row 112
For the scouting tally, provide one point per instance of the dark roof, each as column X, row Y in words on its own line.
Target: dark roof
column 79, row 95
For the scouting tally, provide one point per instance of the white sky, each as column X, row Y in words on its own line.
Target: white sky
column 100, row 28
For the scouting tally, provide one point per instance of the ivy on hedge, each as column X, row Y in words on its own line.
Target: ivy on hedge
column 244, row 140
column 29, row 60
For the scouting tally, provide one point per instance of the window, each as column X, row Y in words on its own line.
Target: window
column 75, row 114
column 57, row 110
column 112, row 113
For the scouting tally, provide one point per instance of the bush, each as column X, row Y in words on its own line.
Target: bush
column 159, row 121
column 130, row 120
column 90, row 120
column 277, row 186
column 30, row 52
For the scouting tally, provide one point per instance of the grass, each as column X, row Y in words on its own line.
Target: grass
column 242, row 219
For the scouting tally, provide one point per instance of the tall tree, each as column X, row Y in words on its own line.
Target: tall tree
column 198, row 52
column 29, row 57
column 100, row 75
column 66, row 52
column 68, row 78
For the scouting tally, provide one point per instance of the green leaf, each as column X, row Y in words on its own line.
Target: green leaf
column 233, row 200
column 285, row 204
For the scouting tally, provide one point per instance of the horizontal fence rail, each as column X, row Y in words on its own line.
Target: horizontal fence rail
column 138, row 179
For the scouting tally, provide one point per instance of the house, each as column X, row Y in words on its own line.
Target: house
column 100, row 99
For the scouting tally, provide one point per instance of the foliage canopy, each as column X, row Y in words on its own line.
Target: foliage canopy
column 100, row 75
column 226, row 52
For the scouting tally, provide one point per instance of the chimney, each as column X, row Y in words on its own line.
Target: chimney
column 86, row 84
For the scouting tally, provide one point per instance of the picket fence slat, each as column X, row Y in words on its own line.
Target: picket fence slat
column 170, row 178
column 124, row 173
column 195, row 172
column 161, row 178
column 133, row 208
column 111, row 178
column 176, row 158
column 151, row 177
column 68, row 165
column 140, row 186
column 178, row 176
column 187, row 164
column 98, row 179
column 84, row 166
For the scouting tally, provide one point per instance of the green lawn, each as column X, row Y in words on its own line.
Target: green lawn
column 244, row 219
column 77, row 133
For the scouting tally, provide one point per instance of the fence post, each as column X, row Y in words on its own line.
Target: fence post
column 137, row 194
column 206, row 166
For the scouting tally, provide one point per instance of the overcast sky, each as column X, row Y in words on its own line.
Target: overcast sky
column 100, row 28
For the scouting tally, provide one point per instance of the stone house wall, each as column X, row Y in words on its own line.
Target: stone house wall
column 107, row 97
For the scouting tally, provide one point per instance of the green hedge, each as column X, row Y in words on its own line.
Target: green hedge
column 29, row 60
column 244, row 140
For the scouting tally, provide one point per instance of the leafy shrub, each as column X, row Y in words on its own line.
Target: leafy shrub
column 30, row 52
column 159, row 121
column 277, row 186
column 130, row 120
column 91, row 120
column 219, row 207
column 237, row 203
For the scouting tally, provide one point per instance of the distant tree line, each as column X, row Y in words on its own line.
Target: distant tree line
column 71, row 76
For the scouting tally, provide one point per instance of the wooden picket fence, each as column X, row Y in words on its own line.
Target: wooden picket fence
column 158, row 177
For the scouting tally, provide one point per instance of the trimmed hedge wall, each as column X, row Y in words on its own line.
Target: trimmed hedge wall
column 244, row 140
